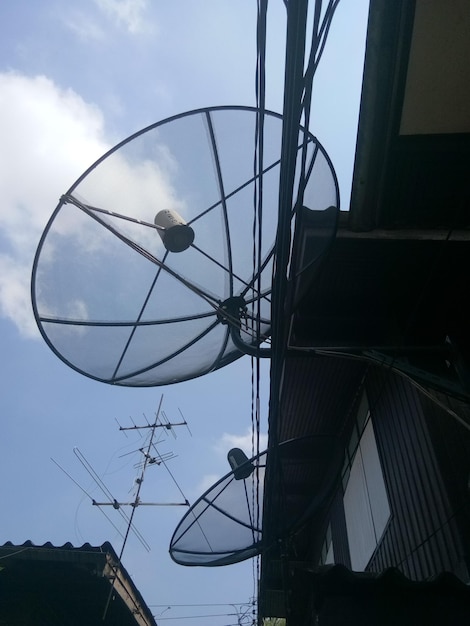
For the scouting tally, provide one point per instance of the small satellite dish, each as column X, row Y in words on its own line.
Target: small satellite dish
column 225, row 524
column 148, row 260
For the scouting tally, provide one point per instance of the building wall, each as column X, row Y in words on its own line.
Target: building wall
column 424, row 456
column 451, row 441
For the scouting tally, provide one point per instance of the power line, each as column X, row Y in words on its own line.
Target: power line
column 201, row 604
column 199, row 616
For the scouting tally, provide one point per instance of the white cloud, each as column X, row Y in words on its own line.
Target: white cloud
column 225, row 443
column 84, row 27
column 228, row 441
column 129, row 14
column 49, row 136
column 206, row 483
column 93, row 26
column 14, row 294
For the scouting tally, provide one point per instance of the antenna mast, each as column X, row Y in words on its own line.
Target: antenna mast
column 147, row 459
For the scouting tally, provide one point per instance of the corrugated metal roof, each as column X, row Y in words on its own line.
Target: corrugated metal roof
column 68, row 546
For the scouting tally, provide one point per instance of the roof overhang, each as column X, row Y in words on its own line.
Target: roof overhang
column 413, row 142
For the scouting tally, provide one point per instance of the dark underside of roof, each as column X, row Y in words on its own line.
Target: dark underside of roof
column 404, row 300
column 55, row 593
column 409, row 173
column 380, row 292
column 65, row 586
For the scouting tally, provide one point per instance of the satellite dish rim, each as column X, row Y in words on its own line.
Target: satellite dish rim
column 254, row 548
column 220, row 362
column 260, row 546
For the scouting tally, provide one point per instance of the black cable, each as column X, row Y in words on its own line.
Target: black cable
column 258, row 166
column 199, row 604
column 319, row 37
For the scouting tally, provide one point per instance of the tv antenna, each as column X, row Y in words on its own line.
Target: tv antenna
column 149, row 271
column 149, row 456
column 161, row 421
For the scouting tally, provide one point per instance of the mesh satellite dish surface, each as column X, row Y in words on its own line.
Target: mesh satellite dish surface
column 224, row 525
column 142, row 252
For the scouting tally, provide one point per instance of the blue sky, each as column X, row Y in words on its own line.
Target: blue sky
column 76, row 78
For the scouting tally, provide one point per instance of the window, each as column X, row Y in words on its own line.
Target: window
column 366, row 506
column 327, row 554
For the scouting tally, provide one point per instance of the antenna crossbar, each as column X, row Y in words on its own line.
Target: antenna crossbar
column 168, row 426
column 134, row 504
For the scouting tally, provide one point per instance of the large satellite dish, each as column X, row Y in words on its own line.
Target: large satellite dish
column 224, row 525
column 149, row 256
